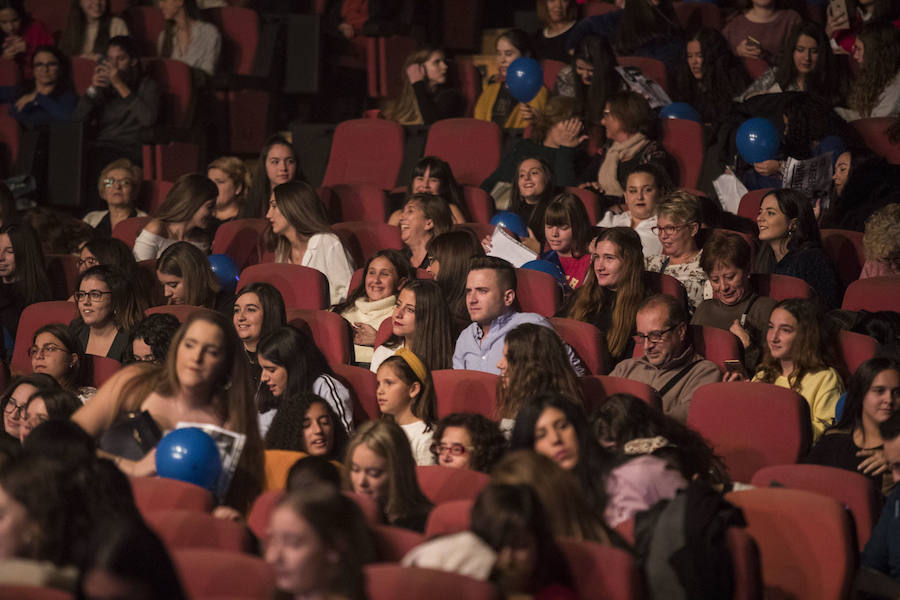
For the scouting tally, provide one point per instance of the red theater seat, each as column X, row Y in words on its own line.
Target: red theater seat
column 209, row 573
column 445, row 484
column 301, row 287
column 471, row 147
column 160, row 493
column 365, row 151
column 459, row 390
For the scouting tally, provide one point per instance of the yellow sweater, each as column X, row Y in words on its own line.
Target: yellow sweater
column 821, row 391
column 516, row 120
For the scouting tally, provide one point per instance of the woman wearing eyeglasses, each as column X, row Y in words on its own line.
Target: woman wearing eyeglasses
column 118, row 185
column 49, row 95
column 107, row 311
column 677, row 226
column 467, row 441
column 15, row 399
column 55, row 352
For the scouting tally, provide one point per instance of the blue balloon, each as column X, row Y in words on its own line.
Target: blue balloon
column 189, row 454
column 545, row 266
column 680, row 110
column 511, row 221
column 524, row 77
column 757, row 140
column 225, row 271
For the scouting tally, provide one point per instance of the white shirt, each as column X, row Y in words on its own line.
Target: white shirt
column 419, row 442
column 326, row 254
column 649, row 240
column 381, row 354
column 329, row 389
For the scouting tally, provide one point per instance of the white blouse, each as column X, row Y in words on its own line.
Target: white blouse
column 326, row 254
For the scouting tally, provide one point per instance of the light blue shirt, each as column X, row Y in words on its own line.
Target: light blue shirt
column 476, row 351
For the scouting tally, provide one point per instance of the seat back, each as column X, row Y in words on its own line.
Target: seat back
column 277, row 465
column 160, row 493
column 152, row 194
column 781, row 287
column 449, row 517
column 33, row 318
column 390, row 582
column 538, row 292
column 593, row 8
column 129, row 229
column 240, row 37
column 755, row 67
column 179, row 311
column 588, row 342
column 804, row 540
column 683, row 139
column 458, row 390
column 469, row 78
column 590, row 200
column 209, row 573
column 651, row 68
column 330, row 331
column 145, row 23
column 385, row 330
column 853, row 490
column 873, row 294
column 62, row 271
column 751, row 425
column 479, row 205
column 10, row 136
column 750, row 203
column 874, row 133
column 365, row 151
column 471, row 147
column 358, row 201
column 445, row 484
column 82, row 73
column 551, row 70
column 188, row 529
column 597, row 388
column 362, row 385
column 177, row 91
column 261, row 512
column 692, row 15
column 364, row 238
column 240, row 240
column 855, row 348
column 102, row 368
column 663, row 283
column 747, row 571
column 9, row 72
column 392, row 543
column 601, row 571
column 845, row 249
column 301, row 287
column 10, row 591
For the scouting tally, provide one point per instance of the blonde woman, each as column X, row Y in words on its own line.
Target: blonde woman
column 426, row 96
column 880, row 242
column 233, row 179
column 182, row 217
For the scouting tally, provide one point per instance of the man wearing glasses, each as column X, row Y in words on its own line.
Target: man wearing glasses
column 669, row 364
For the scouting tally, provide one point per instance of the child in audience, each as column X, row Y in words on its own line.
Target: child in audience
column 320, row 430
column 467, row 441
column 406, row 392
column 880, row 242
column 183, row 216
column 567, row 232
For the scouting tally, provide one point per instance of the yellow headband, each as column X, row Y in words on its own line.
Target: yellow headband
column 414, row 362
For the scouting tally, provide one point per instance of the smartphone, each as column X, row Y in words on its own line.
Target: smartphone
column 837, row 10
column 734, row 366
column 752, row 41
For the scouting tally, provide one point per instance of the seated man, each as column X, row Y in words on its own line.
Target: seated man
column 880, row 560
column 669, row 364
column 491, row 301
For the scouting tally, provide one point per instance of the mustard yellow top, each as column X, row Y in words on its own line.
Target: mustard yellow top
column 821, row 391
column 516, row 120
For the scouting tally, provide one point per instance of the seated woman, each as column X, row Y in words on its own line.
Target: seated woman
column 204, row 380
column 258, row 310
column 23, row 277
column 107, row 312
column 467, row 441
column 14, row 400
column 56, row 352
column 299, row 233
column 613, row 290
column 645, row 186
column 735, row 305
column 406, row 392
column 421, row 323
column 44, row 405
column 424, row 216
column 232, row 177
column 710, row 77
column 678, row 223
column 806, row 64
column 534, row 360
column 880, row 242
column 649, row 28
column 373, row 301
column 557, row 17
column 186, row 278
column 496, row 102
column 89, row 29
column 380, row 465
column 307, row 423
column 48, row 97
column 590, row 79
column 119, row 184
column 336, row 544
column 760, row 29
column 21, row 35
column 449, row 255
column 151, row 337
column 278, row 163
column 567, row 231
column 426, row 95
column 188, row 38
column 182, row 217
column 876, row 90
column 432, row 175
column 792, row 245
column 854, row 442
column 292, row 364
column 863, row 183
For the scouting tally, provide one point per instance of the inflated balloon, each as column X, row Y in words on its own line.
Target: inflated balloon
column 757, row 140
column 545, row 266
column 680, row 110
column 511, row 221
column 225, row 270
column 189, row 454
column 524, row 77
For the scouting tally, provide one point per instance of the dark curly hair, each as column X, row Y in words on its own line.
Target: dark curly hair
column 487, row 441
column 286, row 431
column 157, row 331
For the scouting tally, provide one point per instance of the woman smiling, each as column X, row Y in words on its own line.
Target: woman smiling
column 107, row 311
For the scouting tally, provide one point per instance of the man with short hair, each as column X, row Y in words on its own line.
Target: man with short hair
column 669, row 364
column 491, row 301
column 881, row 557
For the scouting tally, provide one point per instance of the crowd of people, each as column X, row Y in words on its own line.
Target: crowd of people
column 562, row 462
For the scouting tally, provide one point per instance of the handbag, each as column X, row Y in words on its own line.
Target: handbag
column 131, row 437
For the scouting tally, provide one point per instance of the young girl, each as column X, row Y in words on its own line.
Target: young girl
column 567, row 231
column 426, row 96
column 406, row 392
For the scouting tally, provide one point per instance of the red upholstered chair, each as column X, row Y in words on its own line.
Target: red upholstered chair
column 62, row 271
column 261, row 511
column 330, row 331
column 471, row 147
column 445, row 484
column 661, row 283
column 449, row 517
column 683, row 139
column 365, row 151
column 367, row 505
column 240, row 240
column 551, row 70
column 845, row 249
column 152, row 194
column 392, row 543
column 755, row 67
column 10, row 135
column 102, row 368
column 717, row 345
column 390, row 582
column 129, row 229
column 479, row 204
column 874, row 134
column 169, row 161
column 177, row 93
column 598, row 388
column 301, row 287
column 588, row 342
column 591, row 202
column 693, row 14
column 188, row 529
column 873, row 294
column 10, row 74
column 277, row 464
column 362, row 384
column 805, row 542
column 538, row 292
column 855, row 349
column 750, row 203
column 364, row 238
column 853, row 490
column 358, row 202
column 466, row 73
column 651, row 68
column 384, row 332
column 10, row 591
column 598, row 7
column 209, row 573
column 458, row 390
column 600, row 571
column 745, row 561
column 751, row 425
column 33, row 318
column 479, row 229
column 145, row 23
column 82, row 73
column 179, row 311
column 160, row 493
column 781, row 287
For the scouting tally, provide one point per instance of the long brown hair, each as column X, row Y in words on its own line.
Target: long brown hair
column 630, row 290
column 301, row 207
column 453, row 252
column 880, row 66
column 433, row 338
column 424, row 406
column 185, row 260
column 404, row 109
